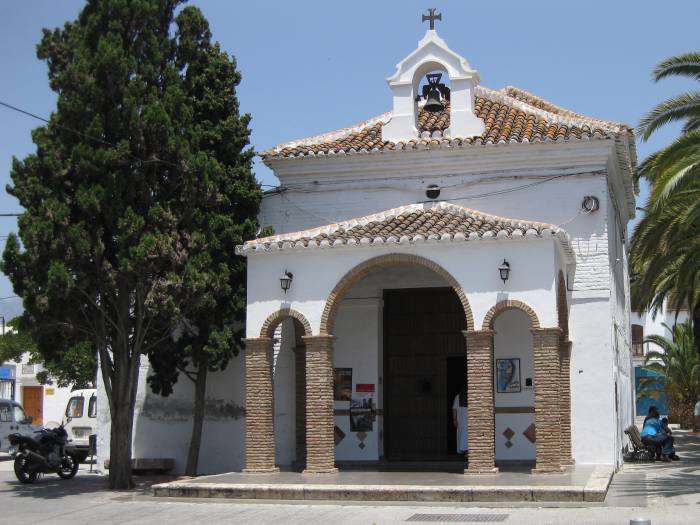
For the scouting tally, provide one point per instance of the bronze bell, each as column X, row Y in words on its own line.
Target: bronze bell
column 432, row 102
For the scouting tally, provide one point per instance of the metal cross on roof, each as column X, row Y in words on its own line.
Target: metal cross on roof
column 431, row 17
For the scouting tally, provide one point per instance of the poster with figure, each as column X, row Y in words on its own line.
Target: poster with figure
column 362, row 413
column 342, row 384
column 508, row 375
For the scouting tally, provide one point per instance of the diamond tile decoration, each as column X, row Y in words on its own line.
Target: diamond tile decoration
column 361, row 444
column 361, row 436
column 508, row 433
column 531, row 433
column 338, row 435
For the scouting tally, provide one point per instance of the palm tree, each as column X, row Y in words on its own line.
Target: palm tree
column 666, row 242
column 677, row 367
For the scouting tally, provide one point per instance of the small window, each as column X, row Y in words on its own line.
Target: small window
column 637, row 340
column 5, row 414
column 20, row 416
column 92, row 407
column 75, row 407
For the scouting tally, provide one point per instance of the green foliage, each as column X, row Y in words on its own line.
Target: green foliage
column 15, row 342
column 139, row 190
column 677, row 364
column 666, row 242
column 212, row 279
column 77, row 366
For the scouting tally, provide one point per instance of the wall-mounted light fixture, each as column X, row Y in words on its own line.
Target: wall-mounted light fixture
column 286, row 281
column 504, row 270
column 590, row 204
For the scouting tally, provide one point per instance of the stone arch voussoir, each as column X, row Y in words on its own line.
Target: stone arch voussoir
column 268, row 327
column 509, row 304
column 393, row 259
column 562, row 307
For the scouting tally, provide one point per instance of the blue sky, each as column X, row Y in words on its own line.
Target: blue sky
column 312, row 66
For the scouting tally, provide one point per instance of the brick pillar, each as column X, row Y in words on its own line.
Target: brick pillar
column 259, row 423
column 545, row 347
column 480, row 400
column 300, row 402
column 320, row 443
column 565, row 401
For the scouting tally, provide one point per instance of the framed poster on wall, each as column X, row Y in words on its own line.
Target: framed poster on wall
column 508, row 375
column 342, row 384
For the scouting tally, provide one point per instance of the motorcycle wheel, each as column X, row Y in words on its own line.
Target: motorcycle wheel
column 22, row 470
column 69, row 467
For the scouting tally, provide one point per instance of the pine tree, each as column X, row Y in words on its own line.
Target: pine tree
column 139, row 190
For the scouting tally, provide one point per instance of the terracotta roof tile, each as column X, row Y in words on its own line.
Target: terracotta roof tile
column 409, row 224
column 510, row 115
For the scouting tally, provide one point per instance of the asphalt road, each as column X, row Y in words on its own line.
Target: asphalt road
column 665, row 493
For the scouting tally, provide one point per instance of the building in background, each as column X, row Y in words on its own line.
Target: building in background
column 46, row 404
column 643, row 325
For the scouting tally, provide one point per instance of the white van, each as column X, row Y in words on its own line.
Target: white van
column 13, row 420
column 80, row 420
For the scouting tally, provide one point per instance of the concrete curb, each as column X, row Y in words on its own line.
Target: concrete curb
column 598, row 483
column 594, row 490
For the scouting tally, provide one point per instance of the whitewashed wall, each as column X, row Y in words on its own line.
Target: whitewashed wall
column 513, row 339
column 474, row 264
column 490, row 179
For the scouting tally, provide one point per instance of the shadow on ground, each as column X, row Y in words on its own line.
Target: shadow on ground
column 50, row 486
column 663, row 479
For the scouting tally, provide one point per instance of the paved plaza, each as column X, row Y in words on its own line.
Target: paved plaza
column 666, row 493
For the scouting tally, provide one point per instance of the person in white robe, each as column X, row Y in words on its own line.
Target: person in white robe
column 459, row 419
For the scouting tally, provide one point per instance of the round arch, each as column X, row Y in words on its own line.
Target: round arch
column 270, row 324
column 502, row 306
column 394, row 259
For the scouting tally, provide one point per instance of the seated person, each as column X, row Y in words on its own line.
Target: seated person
column 654, row 435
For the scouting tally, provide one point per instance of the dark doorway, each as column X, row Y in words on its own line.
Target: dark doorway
column 423, row 344
column 456, row 381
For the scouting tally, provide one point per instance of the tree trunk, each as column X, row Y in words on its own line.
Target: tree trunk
column 122, row 402
column 200, row 393
column 120, row 450
column 696, row 335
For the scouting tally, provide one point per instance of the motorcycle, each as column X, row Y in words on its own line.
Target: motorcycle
column 46, row 453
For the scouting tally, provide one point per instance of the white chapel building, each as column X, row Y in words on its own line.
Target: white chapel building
column 469, row 238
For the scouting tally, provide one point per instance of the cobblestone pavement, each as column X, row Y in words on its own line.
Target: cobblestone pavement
column 666, row 493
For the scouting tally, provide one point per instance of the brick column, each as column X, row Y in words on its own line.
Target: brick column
column 480, row 424
column 300, row 404
column 545, row 349
column 259, row 422
column 565, row 401
column 320, row 443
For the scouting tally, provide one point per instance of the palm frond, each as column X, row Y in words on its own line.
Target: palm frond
column 678, row 108
column 686, row 64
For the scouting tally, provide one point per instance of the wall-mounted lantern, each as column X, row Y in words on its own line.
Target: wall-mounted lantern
column 504, row 270
column 286, row 281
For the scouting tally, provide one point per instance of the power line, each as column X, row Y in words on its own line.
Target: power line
column 8, row 297
column 85, row 135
